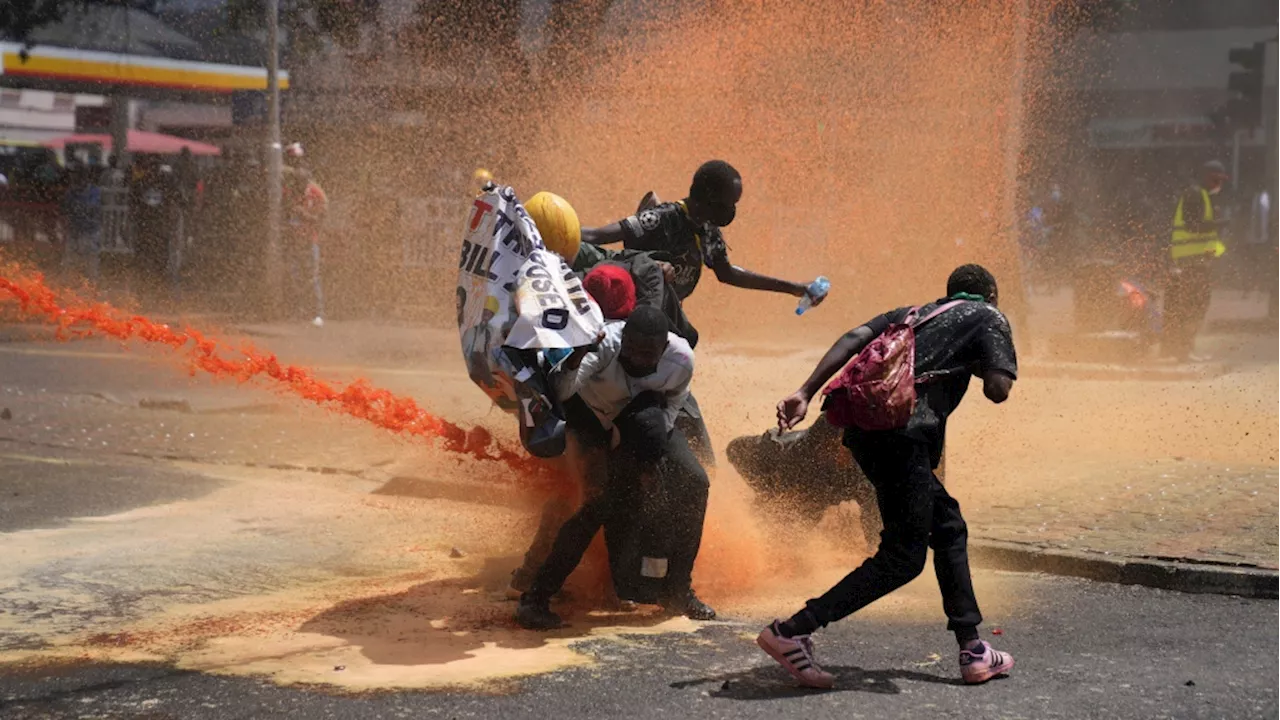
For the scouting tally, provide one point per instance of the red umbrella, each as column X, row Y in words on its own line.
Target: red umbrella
column 141, row 142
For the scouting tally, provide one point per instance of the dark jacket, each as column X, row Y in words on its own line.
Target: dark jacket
column 651, row 287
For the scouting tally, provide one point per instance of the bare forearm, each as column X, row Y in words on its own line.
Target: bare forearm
column 607, row 235
column 849, row 345
column 738, row 277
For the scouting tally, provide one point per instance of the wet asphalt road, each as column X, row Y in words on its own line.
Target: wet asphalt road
column 1083, row 650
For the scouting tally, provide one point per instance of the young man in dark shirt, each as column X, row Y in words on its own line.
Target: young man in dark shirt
column 972, row 338
column 687, row 234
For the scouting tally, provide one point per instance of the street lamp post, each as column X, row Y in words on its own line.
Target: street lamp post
column 274, row 265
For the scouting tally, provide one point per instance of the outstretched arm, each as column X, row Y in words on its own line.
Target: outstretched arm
column 607, row 235
column 730, row 274
column 794, row 407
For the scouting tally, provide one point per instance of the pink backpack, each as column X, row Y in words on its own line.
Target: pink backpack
column 877, row 389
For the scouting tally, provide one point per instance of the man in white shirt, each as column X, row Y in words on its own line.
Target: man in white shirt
column 620, row 404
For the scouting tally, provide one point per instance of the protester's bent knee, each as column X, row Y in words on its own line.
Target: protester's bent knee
column 903, row 564
column 949, row 535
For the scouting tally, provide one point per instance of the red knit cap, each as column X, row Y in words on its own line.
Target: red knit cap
column 613, row 290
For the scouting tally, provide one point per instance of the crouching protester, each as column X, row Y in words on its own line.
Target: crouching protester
column 614, row 290
column 895, row 417
column 620, row 406
column 798, row 474
column 653, row 280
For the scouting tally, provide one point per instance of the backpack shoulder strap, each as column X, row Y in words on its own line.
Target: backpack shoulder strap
column 937, row 311
column 911, row 317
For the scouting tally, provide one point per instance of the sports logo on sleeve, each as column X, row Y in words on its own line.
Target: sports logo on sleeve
column 649, row 220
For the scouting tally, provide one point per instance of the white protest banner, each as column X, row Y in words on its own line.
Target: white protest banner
column 513, row 292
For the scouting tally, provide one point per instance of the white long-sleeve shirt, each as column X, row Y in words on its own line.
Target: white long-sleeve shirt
column 606, row 388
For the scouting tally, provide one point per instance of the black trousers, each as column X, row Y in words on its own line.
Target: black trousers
column 649, row 490
column 690, row 422
column 918, row 514
column 1186, row 302
column 588, row 440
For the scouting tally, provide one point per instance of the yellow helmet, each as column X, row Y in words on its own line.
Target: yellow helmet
column 557, row 224
column 491, row 304
column 480, row 177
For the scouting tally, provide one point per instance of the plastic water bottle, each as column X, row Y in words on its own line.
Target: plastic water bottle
column 816, row 291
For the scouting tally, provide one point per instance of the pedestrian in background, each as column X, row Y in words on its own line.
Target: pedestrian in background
column 82, row 208
column 305, row 205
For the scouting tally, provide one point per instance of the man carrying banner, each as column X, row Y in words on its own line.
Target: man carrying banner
column 621, row 403
column 653, row 278
column 519, row 308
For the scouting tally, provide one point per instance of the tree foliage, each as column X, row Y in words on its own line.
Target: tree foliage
column 307, row 23
column 20, row 18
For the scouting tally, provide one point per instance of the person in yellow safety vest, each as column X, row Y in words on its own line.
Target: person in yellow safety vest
column 1195, row 245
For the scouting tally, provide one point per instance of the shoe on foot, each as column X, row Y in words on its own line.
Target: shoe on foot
column 536, row 615
column 318, row 322
column 983, row 662
column 795, row 655
column 689, row 606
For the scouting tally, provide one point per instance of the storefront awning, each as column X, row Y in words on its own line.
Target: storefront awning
column 140, row 142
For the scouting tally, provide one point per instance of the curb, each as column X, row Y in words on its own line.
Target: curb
column 1104, row 371
column 1188, row 577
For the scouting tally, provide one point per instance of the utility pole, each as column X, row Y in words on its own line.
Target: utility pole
column 1274, row 300
column 274, row 266
column 1275, row 141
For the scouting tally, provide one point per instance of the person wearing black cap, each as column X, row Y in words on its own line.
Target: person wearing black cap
column 1194, row 248
column 620, row 404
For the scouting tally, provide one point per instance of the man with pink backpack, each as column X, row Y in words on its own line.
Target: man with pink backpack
column 910, row 369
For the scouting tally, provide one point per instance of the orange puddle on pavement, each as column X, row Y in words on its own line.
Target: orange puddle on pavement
column 407, row 633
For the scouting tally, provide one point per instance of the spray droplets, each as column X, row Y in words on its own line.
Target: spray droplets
column 77, row 318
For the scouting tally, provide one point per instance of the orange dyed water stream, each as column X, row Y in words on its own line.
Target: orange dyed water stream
column 78, row 318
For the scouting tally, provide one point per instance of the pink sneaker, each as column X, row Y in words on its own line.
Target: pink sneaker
column 984, row 663
column 795, row 655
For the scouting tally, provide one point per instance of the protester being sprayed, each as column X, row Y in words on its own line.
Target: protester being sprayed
column 614, row 290
column 558, row 224
column 894, row 400
column 621, row 403
column 798, row 475
column 687, row 234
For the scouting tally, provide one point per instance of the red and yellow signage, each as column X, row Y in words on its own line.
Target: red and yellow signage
column 46, row 62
